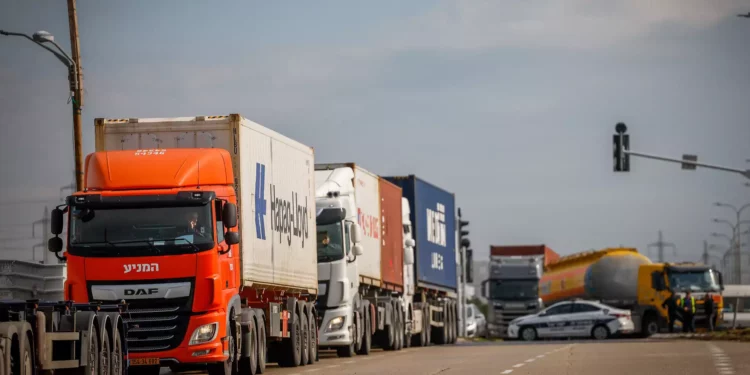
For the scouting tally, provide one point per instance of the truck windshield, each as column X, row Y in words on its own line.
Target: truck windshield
column 140, row 231
column 514, row 290
column 330, row 240
column 694, row 281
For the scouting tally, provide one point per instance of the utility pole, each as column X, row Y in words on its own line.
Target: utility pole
column 660, row 245
column 76, row 75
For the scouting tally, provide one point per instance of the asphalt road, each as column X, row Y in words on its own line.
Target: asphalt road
column 614, row 357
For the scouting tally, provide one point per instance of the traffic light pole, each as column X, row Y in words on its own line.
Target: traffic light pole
column 463, row 246
column 745, row 173
column 622, row 153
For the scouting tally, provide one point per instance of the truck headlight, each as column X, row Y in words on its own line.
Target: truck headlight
column 205, row 333
column 335, row 324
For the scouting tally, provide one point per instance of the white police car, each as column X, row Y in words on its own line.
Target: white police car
column 572, row 319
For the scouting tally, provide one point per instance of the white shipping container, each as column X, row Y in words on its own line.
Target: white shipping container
column 274, row 180
column 367, row 193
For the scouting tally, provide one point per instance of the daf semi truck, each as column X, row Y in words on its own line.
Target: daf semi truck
column 623, row 278
column 206, row 227
column 512, row 289
column 432, row 212
column 361, row 252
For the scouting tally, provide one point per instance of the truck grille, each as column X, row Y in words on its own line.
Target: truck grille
column 156, row 325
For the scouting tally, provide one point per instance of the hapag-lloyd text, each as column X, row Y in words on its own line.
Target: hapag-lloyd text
column 289, row 217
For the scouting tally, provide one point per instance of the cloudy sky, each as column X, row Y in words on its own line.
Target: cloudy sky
column 511, row 105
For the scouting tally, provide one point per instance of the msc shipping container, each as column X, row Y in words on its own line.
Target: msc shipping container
column 550, row 256
column 392, row 253
column 434, row 219
column 274, row 182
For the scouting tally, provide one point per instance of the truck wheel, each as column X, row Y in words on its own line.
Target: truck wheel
column 451, row 323
column 305, row 340
column 313, row 338
column 367, row 333
column 117, row 362
column 293, row 345
column 649, row 326
column 407, row 333
column 262, row 343
column 105, row 355
column 249, row 358
column 397, row 331
column 226, row 367
column 427, row 326
column 21, row 358
column 528, row 333
column 441, row 333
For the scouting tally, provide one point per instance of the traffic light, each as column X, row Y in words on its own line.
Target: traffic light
column 464, row 244
column 621, row 143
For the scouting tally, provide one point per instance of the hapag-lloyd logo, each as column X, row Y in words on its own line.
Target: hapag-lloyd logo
column 289, row 217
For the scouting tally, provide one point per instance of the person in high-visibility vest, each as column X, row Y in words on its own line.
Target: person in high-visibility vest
column 688, row 316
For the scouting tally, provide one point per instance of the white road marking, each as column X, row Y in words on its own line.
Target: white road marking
column 530, row 360
column 540, row 356
column 312, row 370
column 722, row 362
column 518, row 365
column 332, row 366
column 507, row 372
column 349, row 362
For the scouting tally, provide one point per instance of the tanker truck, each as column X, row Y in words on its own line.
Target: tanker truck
column 623, row 278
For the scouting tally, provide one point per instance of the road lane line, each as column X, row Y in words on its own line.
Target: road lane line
column 540, row 356
column 530, row 360
column 332, row 366
column 722, row 362
column 312, row 370
column 507, row 372
column 518, row 365
column 349, row 362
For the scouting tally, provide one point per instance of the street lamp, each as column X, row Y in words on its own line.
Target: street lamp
column 737, row 235
column 42, row 38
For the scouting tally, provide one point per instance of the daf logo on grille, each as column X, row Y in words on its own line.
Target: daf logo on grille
column 141, row 292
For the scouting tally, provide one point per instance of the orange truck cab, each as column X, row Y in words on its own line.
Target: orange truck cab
column 160, row 229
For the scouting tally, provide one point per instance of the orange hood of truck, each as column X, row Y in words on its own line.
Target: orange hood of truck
column 141, row 268
column 158, row 169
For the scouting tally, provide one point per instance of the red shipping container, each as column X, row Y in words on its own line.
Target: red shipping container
column 550, row 256
column 392, row 237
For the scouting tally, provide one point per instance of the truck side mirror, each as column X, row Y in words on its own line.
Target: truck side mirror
column 356, row 233
column 229, row 215
column 409, row 256
column 484, row 289
column 232, row 238
column 56, row 221
column 410, row 242
column 55, row 244
column 358, row 250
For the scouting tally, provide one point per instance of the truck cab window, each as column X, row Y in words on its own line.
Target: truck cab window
column 219, row 224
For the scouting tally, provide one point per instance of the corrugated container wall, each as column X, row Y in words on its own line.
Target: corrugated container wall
column 274, row 182
column 433, row 214
column 391, row 228
column 550, row 256
column 367, row 189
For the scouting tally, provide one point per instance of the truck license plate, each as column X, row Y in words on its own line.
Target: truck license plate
column 144, row 362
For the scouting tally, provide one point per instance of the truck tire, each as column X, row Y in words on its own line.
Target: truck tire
column 293, row 346
column 366, row 332
column 397, row 332
column 105, row 354
column 305, row 347
column 249, row 358
column 387, row 336
column 451, row 323
column 313, row 342
column 227, row 367
column 649, row 325
column 427, row 325
column 407, row 333
column 441, row 333
column 262, row 343
column 21, row 356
